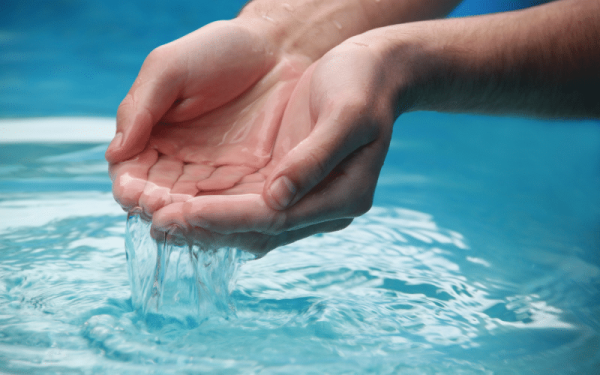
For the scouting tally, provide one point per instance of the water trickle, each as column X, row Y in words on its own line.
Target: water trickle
column 181, row 282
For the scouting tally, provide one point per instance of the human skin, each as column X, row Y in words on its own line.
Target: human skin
column 202, row 123
column 538, row 62
column 212, row 67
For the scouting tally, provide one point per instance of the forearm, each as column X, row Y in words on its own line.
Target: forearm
column 543, row 61
column 313, row 27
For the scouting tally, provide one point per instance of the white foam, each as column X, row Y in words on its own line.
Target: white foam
column 57, row 130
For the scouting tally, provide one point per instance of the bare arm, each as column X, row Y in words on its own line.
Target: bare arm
column 543, row 61
column 201, row 128
column 313, row 27
column 238, row 52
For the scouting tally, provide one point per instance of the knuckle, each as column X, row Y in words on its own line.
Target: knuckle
column 352, row 105
column 162, row 64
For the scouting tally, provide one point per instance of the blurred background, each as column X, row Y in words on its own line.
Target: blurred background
column 79, row 57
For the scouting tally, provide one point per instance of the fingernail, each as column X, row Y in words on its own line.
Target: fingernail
column 282, row 192
column 115, row 144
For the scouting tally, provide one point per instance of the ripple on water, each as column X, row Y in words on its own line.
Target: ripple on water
column 387, row 295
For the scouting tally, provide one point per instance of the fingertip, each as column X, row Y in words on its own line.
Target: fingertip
column 127, row 190
column 113, row 148
column 168, row 218
column 121, row 150
column 154, row 197
column 134, row 126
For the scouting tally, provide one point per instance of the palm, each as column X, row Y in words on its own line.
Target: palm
column 229, row 150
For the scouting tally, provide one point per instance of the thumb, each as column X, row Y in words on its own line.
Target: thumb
column 312, row 160
column 154, row 91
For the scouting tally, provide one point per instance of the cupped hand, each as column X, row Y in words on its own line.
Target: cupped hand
column 202, row 118
column 324, row 165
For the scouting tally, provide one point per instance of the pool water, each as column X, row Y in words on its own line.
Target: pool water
column 480, row 256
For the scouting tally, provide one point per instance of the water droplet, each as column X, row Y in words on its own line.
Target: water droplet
column 268, row 18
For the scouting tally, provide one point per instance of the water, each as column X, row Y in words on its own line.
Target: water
column 181, row 283
column 480, row 256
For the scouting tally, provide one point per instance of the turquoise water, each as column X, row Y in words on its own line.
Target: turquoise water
column 480, row 256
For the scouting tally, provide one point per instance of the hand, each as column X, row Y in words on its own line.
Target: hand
column 342, row 112
column 195, row 97
column 201, row 118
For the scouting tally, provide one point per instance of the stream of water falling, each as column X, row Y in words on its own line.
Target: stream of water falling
column 178, row 282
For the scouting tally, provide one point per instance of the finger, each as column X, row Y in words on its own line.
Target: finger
column 249, row 184
column 243, row 188
column 154, row 91
column 192, row 173
column 129, row 178
column 254, row 242
column 347, row 192
column 223, row 214
column 161, row 178
column 224, row 177
column 332, row 140
column 245, row 221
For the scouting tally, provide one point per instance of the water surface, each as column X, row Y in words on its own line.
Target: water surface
column 480, row 256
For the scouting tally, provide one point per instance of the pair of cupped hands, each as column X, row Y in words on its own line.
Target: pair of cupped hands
column 227, row 140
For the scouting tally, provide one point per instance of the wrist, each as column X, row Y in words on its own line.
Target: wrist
column 304, row 27
column 519, row 62
column 429, row 68
column 408, row 64
column 313, row 27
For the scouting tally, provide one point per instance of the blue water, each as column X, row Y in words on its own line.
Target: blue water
column 481, row 255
